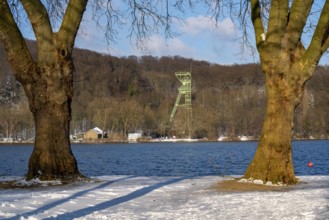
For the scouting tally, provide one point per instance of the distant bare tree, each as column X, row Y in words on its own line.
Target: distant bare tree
column 99, row 110
column 130, row 116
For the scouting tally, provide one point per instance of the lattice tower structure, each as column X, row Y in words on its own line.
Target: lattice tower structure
column 184, row 90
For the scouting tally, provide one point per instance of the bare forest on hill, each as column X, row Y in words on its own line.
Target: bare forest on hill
column 137, row 94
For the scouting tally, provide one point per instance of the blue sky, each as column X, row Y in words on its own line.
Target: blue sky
column 198, row 38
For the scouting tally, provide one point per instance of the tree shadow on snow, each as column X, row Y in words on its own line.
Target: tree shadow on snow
column 61, row 201
column 117, row 201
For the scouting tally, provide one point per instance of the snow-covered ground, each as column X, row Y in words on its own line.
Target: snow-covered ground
column 135, row 197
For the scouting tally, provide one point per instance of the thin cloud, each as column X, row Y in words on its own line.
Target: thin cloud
column 202, row 25
column 200, row 38
column 158, row 46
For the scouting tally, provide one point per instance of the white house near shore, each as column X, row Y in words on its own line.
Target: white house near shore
column 133, row 137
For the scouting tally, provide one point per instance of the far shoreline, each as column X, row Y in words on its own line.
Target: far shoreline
column 154, row 141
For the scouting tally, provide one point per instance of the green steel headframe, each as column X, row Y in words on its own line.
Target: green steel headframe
column 186, row 90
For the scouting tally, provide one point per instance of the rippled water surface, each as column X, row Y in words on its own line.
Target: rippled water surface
column 169, row 159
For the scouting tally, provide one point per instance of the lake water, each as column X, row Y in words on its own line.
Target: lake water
column 169, row 159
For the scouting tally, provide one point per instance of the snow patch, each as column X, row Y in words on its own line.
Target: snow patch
column 260, row 182
column 6, row 204
column 269, row 183
column 263, row 35
column 185, row 198
column 36, row 182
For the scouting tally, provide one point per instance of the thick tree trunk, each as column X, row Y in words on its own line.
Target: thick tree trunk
column 273, row 158
column 287, row 65
column 52, row 157
column 47, row 81
column 50, row 95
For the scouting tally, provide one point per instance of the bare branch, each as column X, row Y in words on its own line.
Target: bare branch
column 319, row 43
column 277, row 22
column 113, row 19
column 150, row 18
column 56, row 10
column 258, row 23
column 40, row 22
column 325, row 39
column 147, row 17
column 71, row 23
column 13, row 41
column 298, row 16
column 143, row 18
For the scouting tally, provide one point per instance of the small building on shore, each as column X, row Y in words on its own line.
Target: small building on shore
column 94, row 134
column 134, row 137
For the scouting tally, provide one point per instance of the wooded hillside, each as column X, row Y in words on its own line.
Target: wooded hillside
column 132, row 94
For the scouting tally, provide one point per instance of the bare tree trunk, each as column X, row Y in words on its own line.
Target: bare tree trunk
column 47, row 81
column 273, row 158
column 287, row 65
column 50, row 95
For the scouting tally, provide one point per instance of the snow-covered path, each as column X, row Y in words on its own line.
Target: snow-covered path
column 132, row 197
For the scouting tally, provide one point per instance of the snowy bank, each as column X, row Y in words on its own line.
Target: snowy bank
column 134, row 197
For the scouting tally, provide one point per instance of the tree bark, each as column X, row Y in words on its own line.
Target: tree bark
column 287, row 66
column 47, row 83
column 273, row 158
column 50, row 94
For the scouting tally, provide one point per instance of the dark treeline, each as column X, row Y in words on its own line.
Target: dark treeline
column 133, row 94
